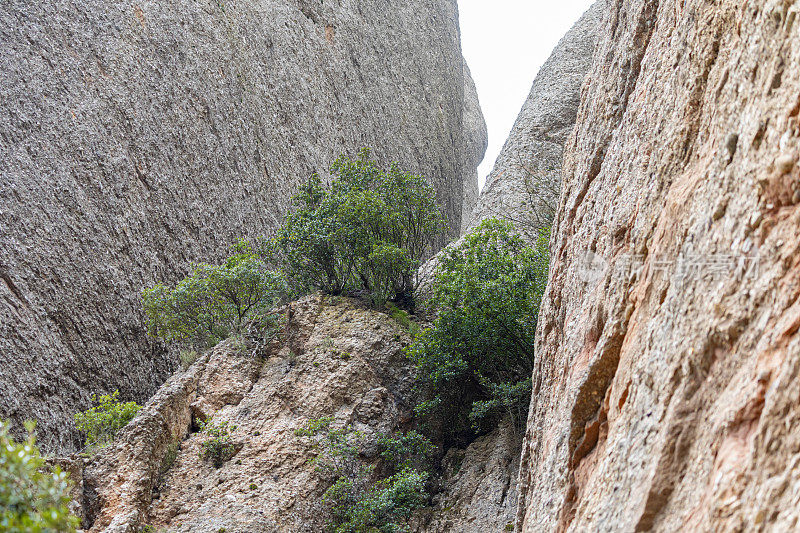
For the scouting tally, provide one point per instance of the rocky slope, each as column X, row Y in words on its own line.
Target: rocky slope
column 335, row 358
column 139, row 137
column 524, row 183
column 666, row 387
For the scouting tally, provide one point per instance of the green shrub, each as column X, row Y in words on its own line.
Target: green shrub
column 359, row 500
column 33, row 497
column 217, row 445
column 475, row 361
column 100, row 423
column 215, row 301
column 384, row 506
column 405, row 450
column 188, row 358
column 368, row 230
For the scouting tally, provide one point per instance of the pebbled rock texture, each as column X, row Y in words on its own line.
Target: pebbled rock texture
column 138, row 137
column 479, row 489
column 666, row 387
column 335, row 358
column 524, row 184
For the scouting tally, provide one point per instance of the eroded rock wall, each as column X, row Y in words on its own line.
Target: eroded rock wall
column 334, row 358
column 666, row 384
column 138, row 137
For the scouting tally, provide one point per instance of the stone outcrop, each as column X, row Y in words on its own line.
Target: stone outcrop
column 136, row 138
column 475, row 128
column 334, row 358
column 666, row 386
column 524, row 184
column 479, row 487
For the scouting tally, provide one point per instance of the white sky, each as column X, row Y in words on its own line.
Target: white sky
column 505, row 42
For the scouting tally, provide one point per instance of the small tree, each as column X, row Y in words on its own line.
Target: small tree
column 475, row 361
column 33, row 497
column 217, row 446
column 215, row 301
column 368, row 230
column 101, row 423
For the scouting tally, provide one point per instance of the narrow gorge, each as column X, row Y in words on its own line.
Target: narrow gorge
column 655, row 165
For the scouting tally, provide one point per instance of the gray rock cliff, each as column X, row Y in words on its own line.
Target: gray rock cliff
column 138, row 137
column 525, row 180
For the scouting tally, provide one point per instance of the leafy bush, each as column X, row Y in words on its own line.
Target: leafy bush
column 359, row 500
column 33, row 498
column 368, row 230
column 384, row 506
column 188, row 358
column 215, row 301
column 406, row 450
column 100, row 423
column 475, row 361
column 218, row 445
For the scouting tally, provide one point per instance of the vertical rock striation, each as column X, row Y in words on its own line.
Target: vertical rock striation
column 666, row 385
column 138, row 137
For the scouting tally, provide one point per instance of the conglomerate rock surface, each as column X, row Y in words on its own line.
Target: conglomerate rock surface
column 333, row 358
column 666, row 386
column 138, row 137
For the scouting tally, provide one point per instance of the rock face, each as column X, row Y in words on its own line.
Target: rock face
column 525, row 181
column 137, row 138
column 335, row 358
column 475, row 128
column 479, row 487
column 666, row 387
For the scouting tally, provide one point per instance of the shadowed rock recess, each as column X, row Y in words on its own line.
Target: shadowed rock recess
column 666, row 385
column 136, row 138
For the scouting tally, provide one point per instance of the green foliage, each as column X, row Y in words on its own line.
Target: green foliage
column 100, row 423
column 402, row 317
column 33, row 497
column 188, row 358
column 405, row 450
column 215, row 301
column 217, row 446
column 367, row 231
column 475, row 362
column 359, row 500
column 384, row 506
